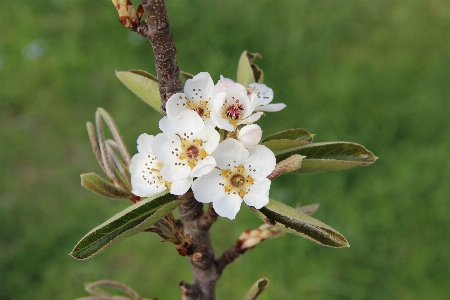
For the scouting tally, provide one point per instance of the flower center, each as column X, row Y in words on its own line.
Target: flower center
column 192, row 151
column 237, row 180
column 200, row 107
column 234, row 111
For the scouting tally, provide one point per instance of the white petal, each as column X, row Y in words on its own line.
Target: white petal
column 253, row 118
column 144, row 143
column 145, row 177
column 180, row 187
column 253, row 102
column 175, row 105
column 271, row 107
column 261, row 161
column 250, row 135
column 166, row 146
column 236, row 93
column 205, row 188
column 166, row 125
column 174, row 171
column 199, row 88
column 218, row 101
column 258, row 196
column 227, row 205
column 210, row 138
column 203, row 166
column 221, row 122
column 264, row 93
column 188, row 123
column 230, row 153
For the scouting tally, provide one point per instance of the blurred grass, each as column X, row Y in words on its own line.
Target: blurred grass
column 375, row 73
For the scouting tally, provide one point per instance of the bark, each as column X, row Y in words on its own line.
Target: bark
column 156, row 29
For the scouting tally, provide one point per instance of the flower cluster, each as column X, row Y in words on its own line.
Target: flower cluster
column 208, row 143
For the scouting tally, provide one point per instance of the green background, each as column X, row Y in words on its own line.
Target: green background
column 372, row 72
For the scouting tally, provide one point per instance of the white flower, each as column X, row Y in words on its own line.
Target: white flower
column 185, row 146
column 265, row 96
column 250, row 135
column 241, row 175
column 146, row 179
column 232, row 106
column 197, row 96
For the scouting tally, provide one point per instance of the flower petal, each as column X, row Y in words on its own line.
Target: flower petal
column 175, row 105
column 205, row 188
column 145, row 177
column 264, row 93
column 258, row 196
column 174, row 171
column 250, row 135
column 253, row 118
column 166, row 146
column 188, row 123
column 230, row 153
column 180, row 187
column 271, row 107
column 210, row 138
column 203, row 166
column 166, row 125
column 261, row 161
column 220, row 122
column 144, row 143
column 227, row 205
column 199, row 88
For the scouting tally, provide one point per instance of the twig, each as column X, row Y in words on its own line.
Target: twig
column 156, row 29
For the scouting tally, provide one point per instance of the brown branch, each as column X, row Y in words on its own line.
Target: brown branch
column 156, row 29
column 201, row 253
column 229, row 256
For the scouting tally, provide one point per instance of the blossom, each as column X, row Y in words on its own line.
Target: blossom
column 232, row 106
column 250, row 135
column 146, row 179
column 240, row 175
column 264, row 97
column 185, row 146
column 197, row 96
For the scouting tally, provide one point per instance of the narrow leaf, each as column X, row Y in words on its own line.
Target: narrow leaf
column 247, row 71
column 288, row 165
column 97, row 288
column 130, row 221
column 333, row 156
column 145, row 74
column 308, row 209
column 288, row 139
column 98, row 185
column 257, row 288
column 144, row 87
column 292, row 220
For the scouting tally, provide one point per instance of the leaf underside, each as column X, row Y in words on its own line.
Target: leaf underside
column 257, row 288
column 98, row 185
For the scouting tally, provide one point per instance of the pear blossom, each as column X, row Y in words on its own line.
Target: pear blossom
column 240, row 175
column 185, row 146
column 146, row 179
column 250, row 135
column 197, row 96
column 265, row 96
column 232, row 106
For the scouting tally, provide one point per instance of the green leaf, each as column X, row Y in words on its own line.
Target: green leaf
column 287, row 139
column 247, row 71
column 333, row 156
column 143, row 85
column 257, row 288
column 290, row 164
column 130, row 221
column 98, row 288
column 98, row 185
column 292, row 220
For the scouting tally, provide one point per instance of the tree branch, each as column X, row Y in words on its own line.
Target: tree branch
column 156, row 29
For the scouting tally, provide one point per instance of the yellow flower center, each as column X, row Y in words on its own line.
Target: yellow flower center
column 237, row 181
